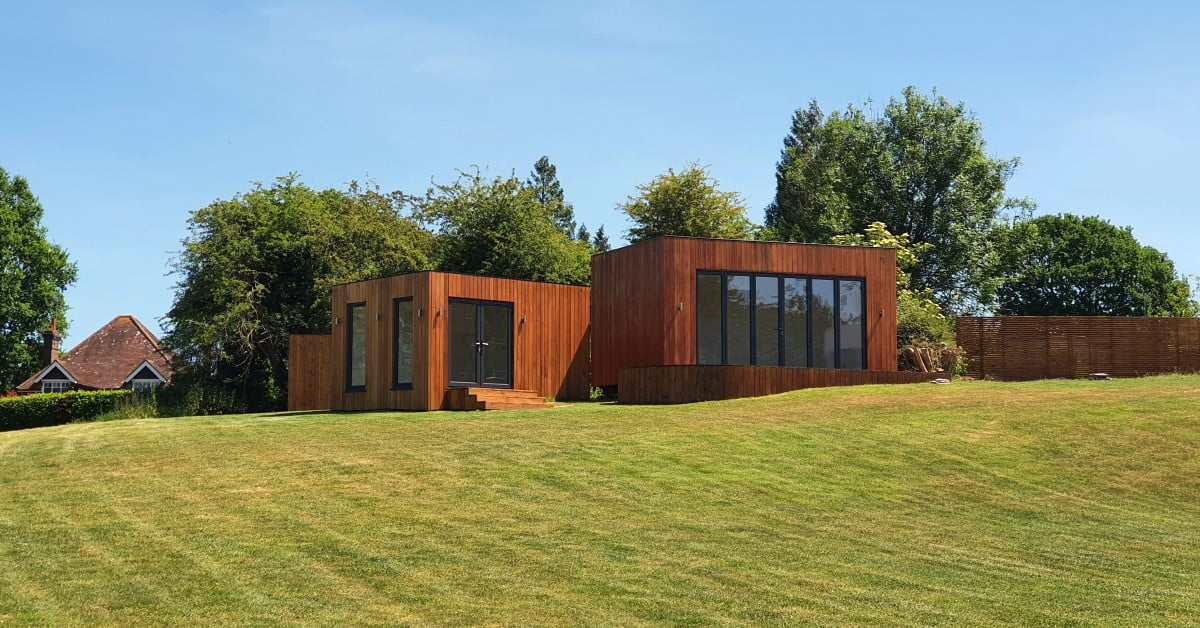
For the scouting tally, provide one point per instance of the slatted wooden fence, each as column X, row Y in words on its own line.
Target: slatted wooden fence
column 310, row 373
column 1016, row 348
column 688, row 383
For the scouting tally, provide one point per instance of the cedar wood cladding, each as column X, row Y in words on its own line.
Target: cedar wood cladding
column 637, row 291
column 550, row 349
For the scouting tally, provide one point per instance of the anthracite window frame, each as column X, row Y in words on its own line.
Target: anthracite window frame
column 396, row 383
column 779, row 322
column 350, row 347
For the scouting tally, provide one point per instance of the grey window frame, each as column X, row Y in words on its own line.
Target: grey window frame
column 350, row 347
column 779, row 322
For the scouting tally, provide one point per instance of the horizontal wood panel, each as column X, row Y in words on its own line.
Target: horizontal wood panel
column 310, row 373
column 644, row 295
column 1015, row 348
column 687, row 384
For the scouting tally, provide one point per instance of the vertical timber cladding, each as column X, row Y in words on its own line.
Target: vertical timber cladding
column 550, row 349
column 644, row 295
column 309, row 373
column 1015, row 348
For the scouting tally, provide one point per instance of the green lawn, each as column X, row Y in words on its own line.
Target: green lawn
column 1048, row 503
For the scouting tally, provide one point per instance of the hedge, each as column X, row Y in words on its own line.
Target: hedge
column 47, row 409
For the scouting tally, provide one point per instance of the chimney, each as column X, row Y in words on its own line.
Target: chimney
column 50, row 343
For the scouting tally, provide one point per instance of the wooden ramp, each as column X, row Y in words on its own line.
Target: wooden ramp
column 495, row 399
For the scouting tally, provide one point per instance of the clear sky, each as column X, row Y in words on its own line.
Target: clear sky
column 126, row 116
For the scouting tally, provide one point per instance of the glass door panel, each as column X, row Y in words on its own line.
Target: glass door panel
column 795, row 322
column 480, row 344
column 823, row 324
column 464, row 354
column 737, row 317
column 766, row 321
column 495, row 351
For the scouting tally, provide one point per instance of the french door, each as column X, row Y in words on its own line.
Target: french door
column 480, row 343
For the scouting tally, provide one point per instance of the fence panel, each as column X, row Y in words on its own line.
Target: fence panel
column 1043, row 347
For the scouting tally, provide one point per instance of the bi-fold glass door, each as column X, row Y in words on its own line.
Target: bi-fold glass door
column 480, row 343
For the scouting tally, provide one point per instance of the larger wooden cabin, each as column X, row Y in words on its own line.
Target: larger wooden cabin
column 802, row 314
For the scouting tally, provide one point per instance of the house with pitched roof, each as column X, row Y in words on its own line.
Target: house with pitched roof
column 121, row 354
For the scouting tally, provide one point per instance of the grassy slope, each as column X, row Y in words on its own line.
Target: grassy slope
column 1039, row 503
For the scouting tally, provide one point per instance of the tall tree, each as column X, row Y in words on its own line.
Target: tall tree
column 1068, row 265
column 921, row 168
column 546, row 188
column 687, row 203
column 499, row 227
column 600, row 241
column 259, row 266
column 583, row 235
column 33, row 275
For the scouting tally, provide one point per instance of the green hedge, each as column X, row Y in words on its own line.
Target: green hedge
column 46, row 409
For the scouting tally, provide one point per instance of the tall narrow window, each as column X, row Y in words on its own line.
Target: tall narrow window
column 850, row 315
column 708, row 319
column 795, row 322
column 356, row 347
column 403, row 364
column 824, row 339
column 737, row 317
column 766, row 321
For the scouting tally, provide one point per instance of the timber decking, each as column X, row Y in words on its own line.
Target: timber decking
column 494, row 399
column 644, row 296
column 1015, row 348
column 310, row 373
column 687, row 384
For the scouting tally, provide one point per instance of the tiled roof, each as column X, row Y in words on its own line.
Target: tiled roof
column 107, row 357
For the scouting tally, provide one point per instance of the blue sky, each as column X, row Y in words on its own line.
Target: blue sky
column 126, row 116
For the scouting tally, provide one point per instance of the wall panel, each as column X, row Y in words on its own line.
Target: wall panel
column 310, row 372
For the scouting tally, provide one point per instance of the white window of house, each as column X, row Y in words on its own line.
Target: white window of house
column 144, row 384
column 55, row 385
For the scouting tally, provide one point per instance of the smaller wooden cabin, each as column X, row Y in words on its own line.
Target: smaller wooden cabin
column 679, row 319
column 434, row 340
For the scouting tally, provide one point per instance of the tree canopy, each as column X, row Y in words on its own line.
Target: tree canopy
column 498, row 227
column 260, row 266
column 548, row 191
column 687, row 203
column 34, row 272
column 921, row 168
column 1067, row 265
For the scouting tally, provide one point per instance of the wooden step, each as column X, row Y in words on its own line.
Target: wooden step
column 495, row 399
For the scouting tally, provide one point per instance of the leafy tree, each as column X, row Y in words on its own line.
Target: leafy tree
column 259, row 266
column 1068, row 265
column 33, row 275
column 920, row 321
column 498, row 227
column 544, row 182
column 687, row 203
column 921, row 168
column 600, row 242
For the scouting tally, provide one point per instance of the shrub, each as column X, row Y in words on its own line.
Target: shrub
column 47, row 409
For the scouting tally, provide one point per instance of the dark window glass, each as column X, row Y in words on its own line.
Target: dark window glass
column 795, row 322
column 708, row 319
column 404, row 342
column 737, row 318
column 356, row 335
column 463, row 351
column 497, row 325
column 766, row 321
column 850, row 313
column 823, row 335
